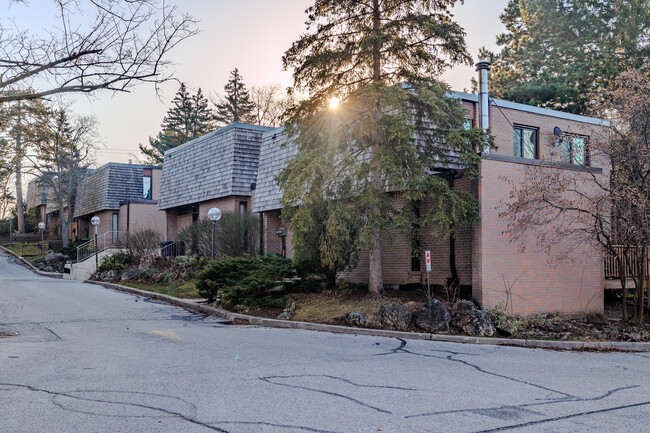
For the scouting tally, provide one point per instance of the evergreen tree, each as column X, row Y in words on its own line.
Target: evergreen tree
column 236, row 105
column 565, row 54
column 188, row 118
column 378, row 58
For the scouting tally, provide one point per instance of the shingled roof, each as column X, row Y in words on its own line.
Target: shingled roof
column 107, row 186
column 36, row 193
column 219, row 164
column 275, row 153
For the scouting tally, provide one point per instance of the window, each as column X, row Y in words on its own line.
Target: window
column 575, row 149
column 146, row 184
column 524, row 141
column 468, row 123
column 115, row 227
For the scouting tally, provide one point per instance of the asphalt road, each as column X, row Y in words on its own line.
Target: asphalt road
column 88, row 359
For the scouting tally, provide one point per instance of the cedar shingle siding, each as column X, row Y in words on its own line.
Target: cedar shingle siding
column 219, row 164
column 36, row 193
column 107, row 186
column 274, row 155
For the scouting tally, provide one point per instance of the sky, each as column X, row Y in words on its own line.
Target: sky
column 251, row 35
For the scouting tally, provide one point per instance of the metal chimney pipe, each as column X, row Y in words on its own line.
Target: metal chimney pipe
column 483, row 96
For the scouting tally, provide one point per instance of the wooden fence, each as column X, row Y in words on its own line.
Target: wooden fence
column 631, row 262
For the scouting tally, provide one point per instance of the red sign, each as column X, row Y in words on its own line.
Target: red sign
column 427, row 256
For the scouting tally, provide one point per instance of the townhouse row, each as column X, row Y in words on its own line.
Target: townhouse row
column 235, row 169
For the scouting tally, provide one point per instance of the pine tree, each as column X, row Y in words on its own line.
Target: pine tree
column 565, row 55
column 378, row 58
column 188, row 118
column 236, row 105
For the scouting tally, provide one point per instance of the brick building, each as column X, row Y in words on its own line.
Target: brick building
column 481, row 258
column 123, row 196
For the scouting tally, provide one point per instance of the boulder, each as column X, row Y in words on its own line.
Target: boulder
column 285, row 315
column 290, row 306
column 461, row 313
column 434, row 317
column 356, row 319
column 111, row 276
column 130, row 275
column 481, row 325
column 395, row 316
column 55, row 260
column 241, row 309
column 471, row 321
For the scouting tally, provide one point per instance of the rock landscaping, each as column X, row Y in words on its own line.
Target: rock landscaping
column 53, row 262
column 348, row 305
column 434, row 317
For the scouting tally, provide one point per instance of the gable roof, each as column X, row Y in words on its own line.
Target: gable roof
column 219, row 164
column 108, row 185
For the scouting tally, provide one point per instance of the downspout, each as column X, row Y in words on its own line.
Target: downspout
column 454, row 280
column 128, row 215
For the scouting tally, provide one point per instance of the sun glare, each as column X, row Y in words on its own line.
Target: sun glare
column 334, row 103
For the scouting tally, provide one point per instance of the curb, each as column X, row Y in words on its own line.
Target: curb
column 29, row 266
column 620, row 346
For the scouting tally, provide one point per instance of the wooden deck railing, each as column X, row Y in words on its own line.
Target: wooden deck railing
column 631, row 264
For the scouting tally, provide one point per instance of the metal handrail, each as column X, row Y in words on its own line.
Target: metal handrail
column 105, row 241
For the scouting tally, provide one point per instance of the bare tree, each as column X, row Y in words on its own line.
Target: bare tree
column 61, row 159
column 6, row 191
column 271, row 101
column 610, row 211
column 127, row 42
column 21, row 120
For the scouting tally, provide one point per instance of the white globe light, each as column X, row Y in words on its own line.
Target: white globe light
column 214, row 214
column 41, row 225
column 95, row 221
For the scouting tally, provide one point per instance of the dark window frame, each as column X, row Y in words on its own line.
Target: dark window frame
column 568, row 137
column 516, row 127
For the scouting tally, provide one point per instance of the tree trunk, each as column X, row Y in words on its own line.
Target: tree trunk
column 64, row 221
column 623, row 277
column 640, row 284
column 19, row 195
column 375, row 277
column 19, row 175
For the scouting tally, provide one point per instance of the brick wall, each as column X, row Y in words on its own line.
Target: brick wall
column 176, row 222
column 138, row 216
column 539, row 283
column 272, row 242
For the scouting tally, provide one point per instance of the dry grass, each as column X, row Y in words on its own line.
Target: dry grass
column 183, row 290
column 329, row 308
column 29, row 252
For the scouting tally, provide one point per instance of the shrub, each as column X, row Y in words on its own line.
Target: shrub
column 244, row 280
column 141, row 243
column 235, row 235
column 71, row 250
column 116, row 262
